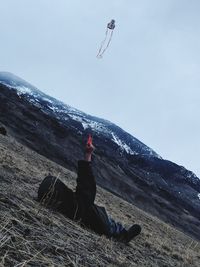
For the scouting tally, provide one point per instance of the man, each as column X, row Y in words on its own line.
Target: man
column 79, row 205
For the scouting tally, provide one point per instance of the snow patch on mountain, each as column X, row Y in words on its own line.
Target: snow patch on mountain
column 90, row 124
column 23, row 90
column 123, row 145
column 47, row 99
column 54, row 109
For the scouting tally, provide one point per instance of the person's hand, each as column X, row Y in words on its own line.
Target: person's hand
column 89, row 148
column 88, row 151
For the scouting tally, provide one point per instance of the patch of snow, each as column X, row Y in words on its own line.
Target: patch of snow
column 123, row 145
column 47, row 99
column 8, row 85
column 35, row 102
column 21, row 90
column 85, row 125
column 76, row 118
column 53, row 108
column 97, row 126
column 198, row 196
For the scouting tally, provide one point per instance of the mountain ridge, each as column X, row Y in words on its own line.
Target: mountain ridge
column 61, row 110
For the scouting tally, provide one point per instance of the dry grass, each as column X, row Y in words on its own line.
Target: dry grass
column 31, row 235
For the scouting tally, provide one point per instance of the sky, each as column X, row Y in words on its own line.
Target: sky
column 148, row 81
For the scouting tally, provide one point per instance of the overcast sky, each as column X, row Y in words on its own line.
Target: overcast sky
column 148, row 81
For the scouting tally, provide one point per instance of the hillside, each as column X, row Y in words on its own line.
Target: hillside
column 123, row 165
column 31, row 235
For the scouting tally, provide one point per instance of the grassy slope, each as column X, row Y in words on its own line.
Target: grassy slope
column 31, row 235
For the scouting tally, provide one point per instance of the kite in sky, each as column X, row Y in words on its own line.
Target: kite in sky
column 108, row 37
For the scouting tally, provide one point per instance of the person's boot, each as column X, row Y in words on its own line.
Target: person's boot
column 127, row 235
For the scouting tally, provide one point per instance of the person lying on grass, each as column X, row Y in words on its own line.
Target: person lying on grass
column 80, row 206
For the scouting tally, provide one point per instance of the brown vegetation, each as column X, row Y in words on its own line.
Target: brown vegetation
column 31, row 235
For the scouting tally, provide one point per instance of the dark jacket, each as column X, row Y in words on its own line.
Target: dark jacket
column 78, row 205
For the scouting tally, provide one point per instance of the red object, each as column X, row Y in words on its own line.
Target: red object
column 89, row 141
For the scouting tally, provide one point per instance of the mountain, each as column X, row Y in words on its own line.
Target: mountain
column 122, row 164
column 82, row 121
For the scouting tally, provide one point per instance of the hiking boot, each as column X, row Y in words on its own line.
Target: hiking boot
column 127, row 235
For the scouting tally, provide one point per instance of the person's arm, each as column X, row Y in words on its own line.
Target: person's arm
column 86, row 184
column 88, row 152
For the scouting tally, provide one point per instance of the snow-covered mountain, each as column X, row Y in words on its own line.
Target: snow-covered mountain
column 122, row 164
column 125, row 142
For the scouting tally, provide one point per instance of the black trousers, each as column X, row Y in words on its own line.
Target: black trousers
column 54, row 193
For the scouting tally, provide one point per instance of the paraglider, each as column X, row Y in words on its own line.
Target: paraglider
column 108, row 37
